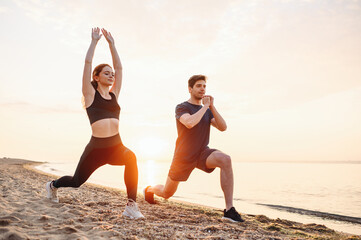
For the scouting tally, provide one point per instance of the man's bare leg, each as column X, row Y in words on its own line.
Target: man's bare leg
column 223, row 161
column 160, row 190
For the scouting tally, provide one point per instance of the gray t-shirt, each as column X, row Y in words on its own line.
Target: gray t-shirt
column 191, row 142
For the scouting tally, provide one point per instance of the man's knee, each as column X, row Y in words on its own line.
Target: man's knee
column 170, row 188
column 167, row 194
column 225, row 161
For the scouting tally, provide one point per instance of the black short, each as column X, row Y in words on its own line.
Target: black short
column 180, row 169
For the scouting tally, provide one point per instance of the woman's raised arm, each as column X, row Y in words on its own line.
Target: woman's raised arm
column 87, row 87
column 116, row 63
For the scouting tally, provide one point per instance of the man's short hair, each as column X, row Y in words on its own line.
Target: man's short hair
column 196, row 78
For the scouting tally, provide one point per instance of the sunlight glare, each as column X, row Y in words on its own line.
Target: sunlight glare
column 151, row 147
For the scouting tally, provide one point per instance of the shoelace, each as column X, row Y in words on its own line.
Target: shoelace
column 53, row 189
column 132, row 203
column 236, row 213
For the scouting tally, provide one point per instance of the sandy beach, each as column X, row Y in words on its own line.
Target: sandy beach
column 95, row 212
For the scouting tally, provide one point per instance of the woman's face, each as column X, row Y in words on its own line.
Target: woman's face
column 106, row 76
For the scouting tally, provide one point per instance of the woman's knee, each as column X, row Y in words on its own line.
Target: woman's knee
column 130, row 158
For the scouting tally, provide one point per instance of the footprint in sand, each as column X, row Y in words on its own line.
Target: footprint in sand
column 67, row 230
column 15, row 236
column 45, row 218
column 75, row 212
column 5, row 221
column 3, row 230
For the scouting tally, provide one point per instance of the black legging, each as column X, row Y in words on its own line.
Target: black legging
column 101, row 151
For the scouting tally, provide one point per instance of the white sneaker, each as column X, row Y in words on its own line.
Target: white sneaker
column 132, row 211
column 52, row 192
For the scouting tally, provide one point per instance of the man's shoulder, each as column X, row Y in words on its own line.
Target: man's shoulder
column 181, row 109
column 183, row 105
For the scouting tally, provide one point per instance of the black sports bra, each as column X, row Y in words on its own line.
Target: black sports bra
column 103, row 108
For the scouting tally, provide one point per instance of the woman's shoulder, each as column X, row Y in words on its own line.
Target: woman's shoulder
column 113, row 94
column 89, row 98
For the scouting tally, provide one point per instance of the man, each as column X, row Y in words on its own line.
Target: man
column 192, row 151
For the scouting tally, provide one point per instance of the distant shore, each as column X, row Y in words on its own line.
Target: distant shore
column 95, row 212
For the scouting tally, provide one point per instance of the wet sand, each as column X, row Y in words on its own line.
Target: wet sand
column 95, row 212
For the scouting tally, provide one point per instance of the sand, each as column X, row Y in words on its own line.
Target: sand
column 95, row 212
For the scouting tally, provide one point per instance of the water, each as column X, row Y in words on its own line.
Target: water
column 313, row 190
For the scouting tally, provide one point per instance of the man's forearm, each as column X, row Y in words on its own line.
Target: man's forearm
column 221, row 123
column 195, row 118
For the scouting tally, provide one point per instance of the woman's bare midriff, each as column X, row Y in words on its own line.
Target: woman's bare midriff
column 105, row 127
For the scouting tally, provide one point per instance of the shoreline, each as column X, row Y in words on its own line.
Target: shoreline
column 325, row 215
column 94, row 212
column 194, row 192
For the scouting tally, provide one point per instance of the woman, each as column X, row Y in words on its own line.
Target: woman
column 105, row 146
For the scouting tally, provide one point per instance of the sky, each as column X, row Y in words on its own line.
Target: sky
column 285, row 75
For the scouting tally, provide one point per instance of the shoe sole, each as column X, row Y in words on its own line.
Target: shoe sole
column 231, row 220
column 131, row 217
column 128, row 216
column 48, row 195
column 47, row 187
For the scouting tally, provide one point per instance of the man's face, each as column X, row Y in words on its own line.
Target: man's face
column 198, row 90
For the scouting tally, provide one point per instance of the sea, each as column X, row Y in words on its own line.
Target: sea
column 327, row 193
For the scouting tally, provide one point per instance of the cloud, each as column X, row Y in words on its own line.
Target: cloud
column 34, row 108
column 307, row 51
column 4, row 9
column 67, row 17
column 277, row 53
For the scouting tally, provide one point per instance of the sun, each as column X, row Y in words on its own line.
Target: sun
column 151, row 147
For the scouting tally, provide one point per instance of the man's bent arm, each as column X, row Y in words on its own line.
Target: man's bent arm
column 191, row 120
column 218, row 120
